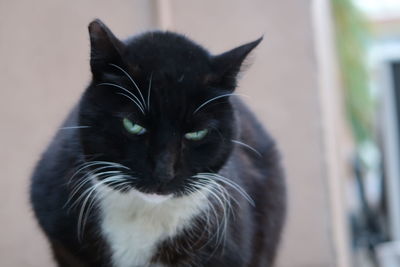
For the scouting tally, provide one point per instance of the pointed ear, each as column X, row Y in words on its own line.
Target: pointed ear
column 227, row 65
column 105, row 48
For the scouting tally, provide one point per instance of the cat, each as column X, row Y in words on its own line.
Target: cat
column 160, row 163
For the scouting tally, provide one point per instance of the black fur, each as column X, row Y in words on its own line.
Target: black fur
column 181, row 76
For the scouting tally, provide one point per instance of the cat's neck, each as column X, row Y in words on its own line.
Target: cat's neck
column 134, row 226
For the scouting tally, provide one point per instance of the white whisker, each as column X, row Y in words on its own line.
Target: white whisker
column 247, row 146
column 132, row 101
column 215, row 98
column 221, row 196
column 224, row 192
column 78, row 187
column 197, row 189
column 136, row 101
column 95, row 197
column 80, row 226
column 84, row 166
column 83, row 181
column 73, row 127
column 130, row 78
column 88, row 193
column 237, row 187
column 148, row 93
column 86, row 178
column 230, row 183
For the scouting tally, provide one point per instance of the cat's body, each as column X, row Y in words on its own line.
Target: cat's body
column 195, row 217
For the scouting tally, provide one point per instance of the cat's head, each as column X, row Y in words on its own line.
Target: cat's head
column 158, row 108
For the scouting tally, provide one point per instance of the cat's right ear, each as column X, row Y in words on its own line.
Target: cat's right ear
column 227, row 65
column 105, row 48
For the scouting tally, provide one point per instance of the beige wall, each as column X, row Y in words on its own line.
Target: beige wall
column 44, row 68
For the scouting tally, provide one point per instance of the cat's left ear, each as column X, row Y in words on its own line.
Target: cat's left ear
column 226, row 66
column 105, row 48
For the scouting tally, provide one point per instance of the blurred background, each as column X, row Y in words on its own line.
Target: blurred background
column 325, row 82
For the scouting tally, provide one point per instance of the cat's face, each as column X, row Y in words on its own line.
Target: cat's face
column 159, row 106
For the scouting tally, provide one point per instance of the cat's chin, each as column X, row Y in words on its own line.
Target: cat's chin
column 152, row 197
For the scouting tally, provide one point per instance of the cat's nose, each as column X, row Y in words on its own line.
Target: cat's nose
column 164, row 170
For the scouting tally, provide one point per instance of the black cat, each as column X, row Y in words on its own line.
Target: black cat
column 159, row 164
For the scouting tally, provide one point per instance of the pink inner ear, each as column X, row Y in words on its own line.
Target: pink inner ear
column 99, row 31
column 102, row 38
column 95, row 29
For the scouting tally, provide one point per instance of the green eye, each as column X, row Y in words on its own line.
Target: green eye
column 195, row 136
column 133, row 128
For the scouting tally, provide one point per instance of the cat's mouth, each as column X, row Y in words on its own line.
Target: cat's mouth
column 152, row 197
column 151, row 193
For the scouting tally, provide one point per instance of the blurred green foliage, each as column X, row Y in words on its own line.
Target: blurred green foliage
column 352, row 39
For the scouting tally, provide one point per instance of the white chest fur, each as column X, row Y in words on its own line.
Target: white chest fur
column 134, row 225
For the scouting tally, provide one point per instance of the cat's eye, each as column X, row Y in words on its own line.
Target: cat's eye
column 196, row 136
column 133, row 128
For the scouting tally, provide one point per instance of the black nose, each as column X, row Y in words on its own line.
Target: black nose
column 164, row 170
